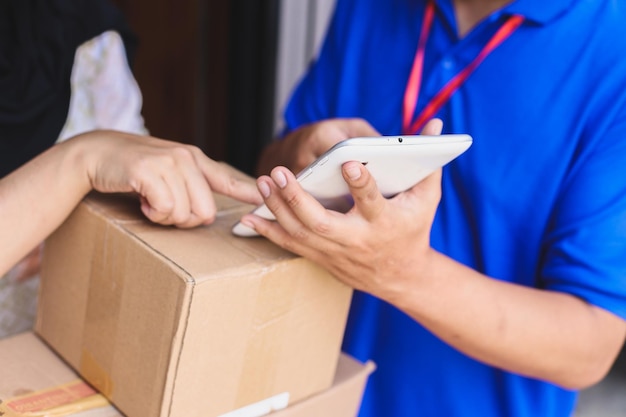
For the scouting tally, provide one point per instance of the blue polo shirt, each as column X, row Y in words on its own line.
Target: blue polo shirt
column 538, row 200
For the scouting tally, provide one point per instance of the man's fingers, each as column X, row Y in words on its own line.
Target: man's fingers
column 358, row 127
column 329, row 132
column 367, row 198
column 433, row 127
column 295, row 209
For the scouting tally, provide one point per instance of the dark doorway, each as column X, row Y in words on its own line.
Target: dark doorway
column 207, row 72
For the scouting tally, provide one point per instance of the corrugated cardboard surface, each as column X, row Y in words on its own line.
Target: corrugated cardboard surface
column 31, row 368
column 169, row 322
column 32, row 375
column 343, row 399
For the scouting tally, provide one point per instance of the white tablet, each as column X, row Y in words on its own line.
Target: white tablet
column 397, row 163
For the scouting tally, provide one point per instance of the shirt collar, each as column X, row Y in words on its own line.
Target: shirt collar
column 538, row 11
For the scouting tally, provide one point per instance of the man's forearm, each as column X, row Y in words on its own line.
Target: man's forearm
column 541, row 334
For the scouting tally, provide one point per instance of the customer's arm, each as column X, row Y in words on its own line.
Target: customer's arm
column 174, row 181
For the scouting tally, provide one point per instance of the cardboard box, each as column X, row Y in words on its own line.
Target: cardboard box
column 37, row 382
column 183, row 323
column 342, row 399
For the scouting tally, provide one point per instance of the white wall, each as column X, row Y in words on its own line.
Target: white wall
column 302, row 26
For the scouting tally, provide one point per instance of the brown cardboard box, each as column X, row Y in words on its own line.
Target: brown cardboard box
column 343, row 399
column 36, row 381
column 183, row 323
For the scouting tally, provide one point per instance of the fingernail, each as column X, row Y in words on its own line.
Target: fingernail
column 248, row 223
column 264, row 189
column 353, row 172
column 280, row 179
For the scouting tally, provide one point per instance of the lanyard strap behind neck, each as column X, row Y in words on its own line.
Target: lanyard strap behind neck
column 413, row 87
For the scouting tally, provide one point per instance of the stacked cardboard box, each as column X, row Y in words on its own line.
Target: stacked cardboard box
column 169, row 322
column 37, row 382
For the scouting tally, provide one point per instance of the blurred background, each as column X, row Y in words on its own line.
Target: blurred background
column 217, row 73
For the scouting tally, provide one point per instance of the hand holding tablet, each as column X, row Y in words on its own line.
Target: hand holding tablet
column 397, row 163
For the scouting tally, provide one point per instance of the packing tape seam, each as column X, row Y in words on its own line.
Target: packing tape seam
column 89, row 366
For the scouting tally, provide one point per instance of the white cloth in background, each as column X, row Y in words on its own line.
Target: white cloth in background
column 105, row 95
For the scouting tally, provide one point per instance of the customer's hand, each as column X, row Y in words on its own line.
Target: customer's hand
column 175, row 181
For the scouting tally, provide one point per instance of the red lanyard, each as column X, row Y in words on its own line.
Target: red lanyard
column 415, row 79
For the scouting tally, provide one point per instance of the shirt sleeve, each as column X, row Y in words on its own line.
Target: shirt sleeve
column 585, row 245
